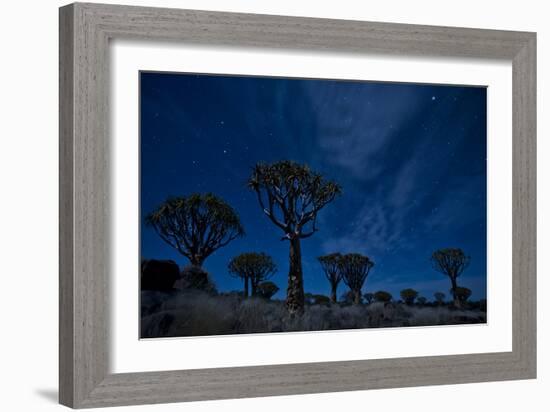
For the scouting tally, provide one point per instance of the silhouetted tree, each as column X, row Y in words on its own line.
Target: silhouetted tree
column 330, row 264
column 369, row 297
column 252, row 267
column 383, row 296
column 463, row 294
column 409, row 295
column 196, row 226
column 291, row 195
column 267, row 289
column 451, row 262
column 439, row 297
column 421, row 300
column 355, row 268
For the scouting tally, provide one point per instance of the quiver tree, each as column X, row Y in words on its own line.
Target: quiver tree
column 331, row 266
column 196, row 225
column 382, row 296
column 291, row 195
column 252, row 268
column 409, row 295
column 451, row 262
column 355, row 268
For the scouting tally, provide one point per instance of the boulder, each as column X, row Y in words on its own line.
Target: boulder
column 159, row 275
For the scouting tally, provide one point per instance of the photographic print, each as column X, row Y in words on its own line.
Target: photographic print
column 289, row 205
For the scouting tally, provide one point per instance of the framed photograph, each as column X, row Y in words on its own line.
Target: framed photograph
column 257, row 205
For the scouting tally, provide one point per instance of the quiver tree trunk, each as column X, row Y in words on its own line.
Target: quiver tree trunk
column 357, row 297
column 245, row 290
column 333, row 297
column 456, row 300
column 253, row 287
column 295, row 290
column 196, row 260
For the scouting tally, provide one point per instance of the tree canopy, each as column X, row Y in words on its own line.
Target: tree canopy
column 291, row 194
column 450, row 261
column 355, row 268
column 196, row 225
column 382, row 296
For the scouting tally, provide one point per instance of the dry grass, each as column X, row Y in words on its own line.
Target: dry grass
column 195, row 313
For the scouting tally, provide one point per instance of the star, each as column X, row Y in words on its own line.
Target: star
column 224, row 151
column 222, row 122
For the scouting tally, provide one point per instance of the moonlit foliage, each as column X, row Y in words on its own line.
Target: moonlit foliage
column 196, row 226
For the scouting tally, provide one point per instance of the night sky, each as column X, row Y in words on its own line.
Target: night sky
column 411, row 160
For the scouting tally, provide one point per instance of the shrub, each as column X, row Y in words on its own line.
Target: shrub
column 192, row 312
column 267, row 289
column 195, row 277
column 462, row 293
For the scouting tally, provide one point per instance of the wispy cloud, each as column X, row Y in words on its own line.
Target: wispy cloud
column 355, row 136
column 417, row 199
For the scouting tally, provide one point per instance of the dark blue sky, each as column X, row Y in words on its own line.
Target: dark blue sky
column 411, row 160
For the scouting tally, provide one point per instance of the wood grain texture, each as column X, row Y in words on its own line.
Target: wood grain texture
column 85, row 31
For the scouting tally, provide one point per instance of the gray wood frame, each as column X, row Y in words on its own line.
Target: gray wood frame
column 85, row 30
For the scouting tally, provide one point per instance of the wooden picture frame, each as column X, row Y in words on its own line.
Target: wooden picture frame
column 85, row 31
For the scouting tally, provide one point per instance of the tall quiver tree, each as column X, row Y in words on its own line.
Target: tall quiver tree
column 451, row 262
column 291, row 195
column 196, row 225
column 252, row 267
column 355, row 268
column 331, row 266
